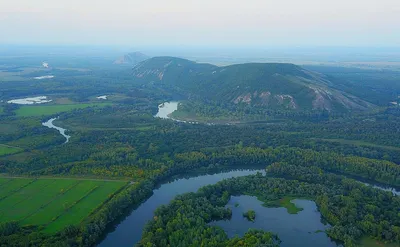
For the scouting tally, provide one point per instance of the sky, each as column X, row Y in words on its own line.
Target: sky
column 231, row 23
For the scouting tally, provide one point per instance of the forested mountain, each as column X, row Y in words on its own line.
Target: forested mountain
column 131, row 58
column 262, row 85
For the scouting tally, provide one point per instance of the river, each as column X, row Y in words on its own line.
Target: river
column 303, row 227
column 129, row 231
column 49, row 124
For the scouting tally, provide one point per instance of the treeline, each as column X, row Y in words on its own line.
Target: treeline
column 135, row 129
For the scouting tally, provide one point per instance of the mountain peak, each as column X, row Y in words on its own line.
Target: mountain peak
column 131, row 58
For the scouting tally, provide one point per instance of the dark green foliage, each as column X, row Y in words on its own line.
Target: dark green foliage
column 9, row 228
column 354, row 210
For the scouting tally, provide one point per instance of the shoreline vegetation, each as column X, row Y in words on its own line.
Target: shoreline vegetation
column 250, row 215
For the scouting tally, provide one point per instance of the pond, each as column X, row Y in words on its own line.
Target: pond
column 49, row 124
column 302, row 229
column 129, row 231
column 30, row 100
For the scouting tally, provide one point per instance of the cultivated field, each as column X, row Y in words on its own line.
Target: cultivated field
column 42, row 110
column 52, row 203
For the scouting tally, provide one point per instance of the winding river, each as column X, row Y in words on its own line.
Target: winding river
column 304, row 227
column 129, row 231
column 49, row 124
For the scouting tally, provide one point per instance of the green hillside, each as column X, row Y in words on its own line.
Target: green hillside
column 265, row 85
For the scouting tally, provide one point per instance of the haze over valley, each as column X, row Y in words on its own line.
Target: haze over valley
column 200, row 123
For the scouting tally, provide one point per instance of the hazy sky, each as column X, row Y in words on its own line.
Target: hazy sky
column 202, row 22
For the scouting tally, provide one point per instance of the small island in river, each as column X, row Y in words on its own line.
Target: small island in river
column 250, row 215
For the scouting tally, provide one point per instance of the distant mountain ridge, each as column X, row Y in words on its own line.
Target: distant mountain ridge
column 131, row 58
column 267, row 85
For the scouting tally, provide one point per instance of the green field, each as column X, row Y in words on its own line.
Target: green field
column 52, row 203
column 5, row 149
column 43, row 110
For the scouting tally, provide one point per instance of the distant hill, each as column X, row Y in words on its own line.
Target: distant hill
column 267, row 85
column 131, row 58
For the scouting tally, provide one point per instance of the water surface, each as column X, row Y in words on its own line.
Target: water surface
column 302, row 229
column 166, row 108
column 129, row 231
column 30, row 100
column 49, row 124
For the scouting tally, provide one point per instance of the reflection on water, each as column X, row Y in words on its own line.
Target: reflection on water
column 129, row 231
column 166, row 108
column 302, row 229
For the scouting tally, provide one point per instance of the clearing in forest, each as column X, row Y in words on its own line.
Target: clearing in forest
column 6, row 149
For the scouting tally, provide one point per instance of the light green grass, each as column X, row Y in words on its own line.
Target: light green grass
column 369, row 242
column 286, row 203
column 5, row 149
column 69, row 194
column 52, row 203
column 43, row 110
